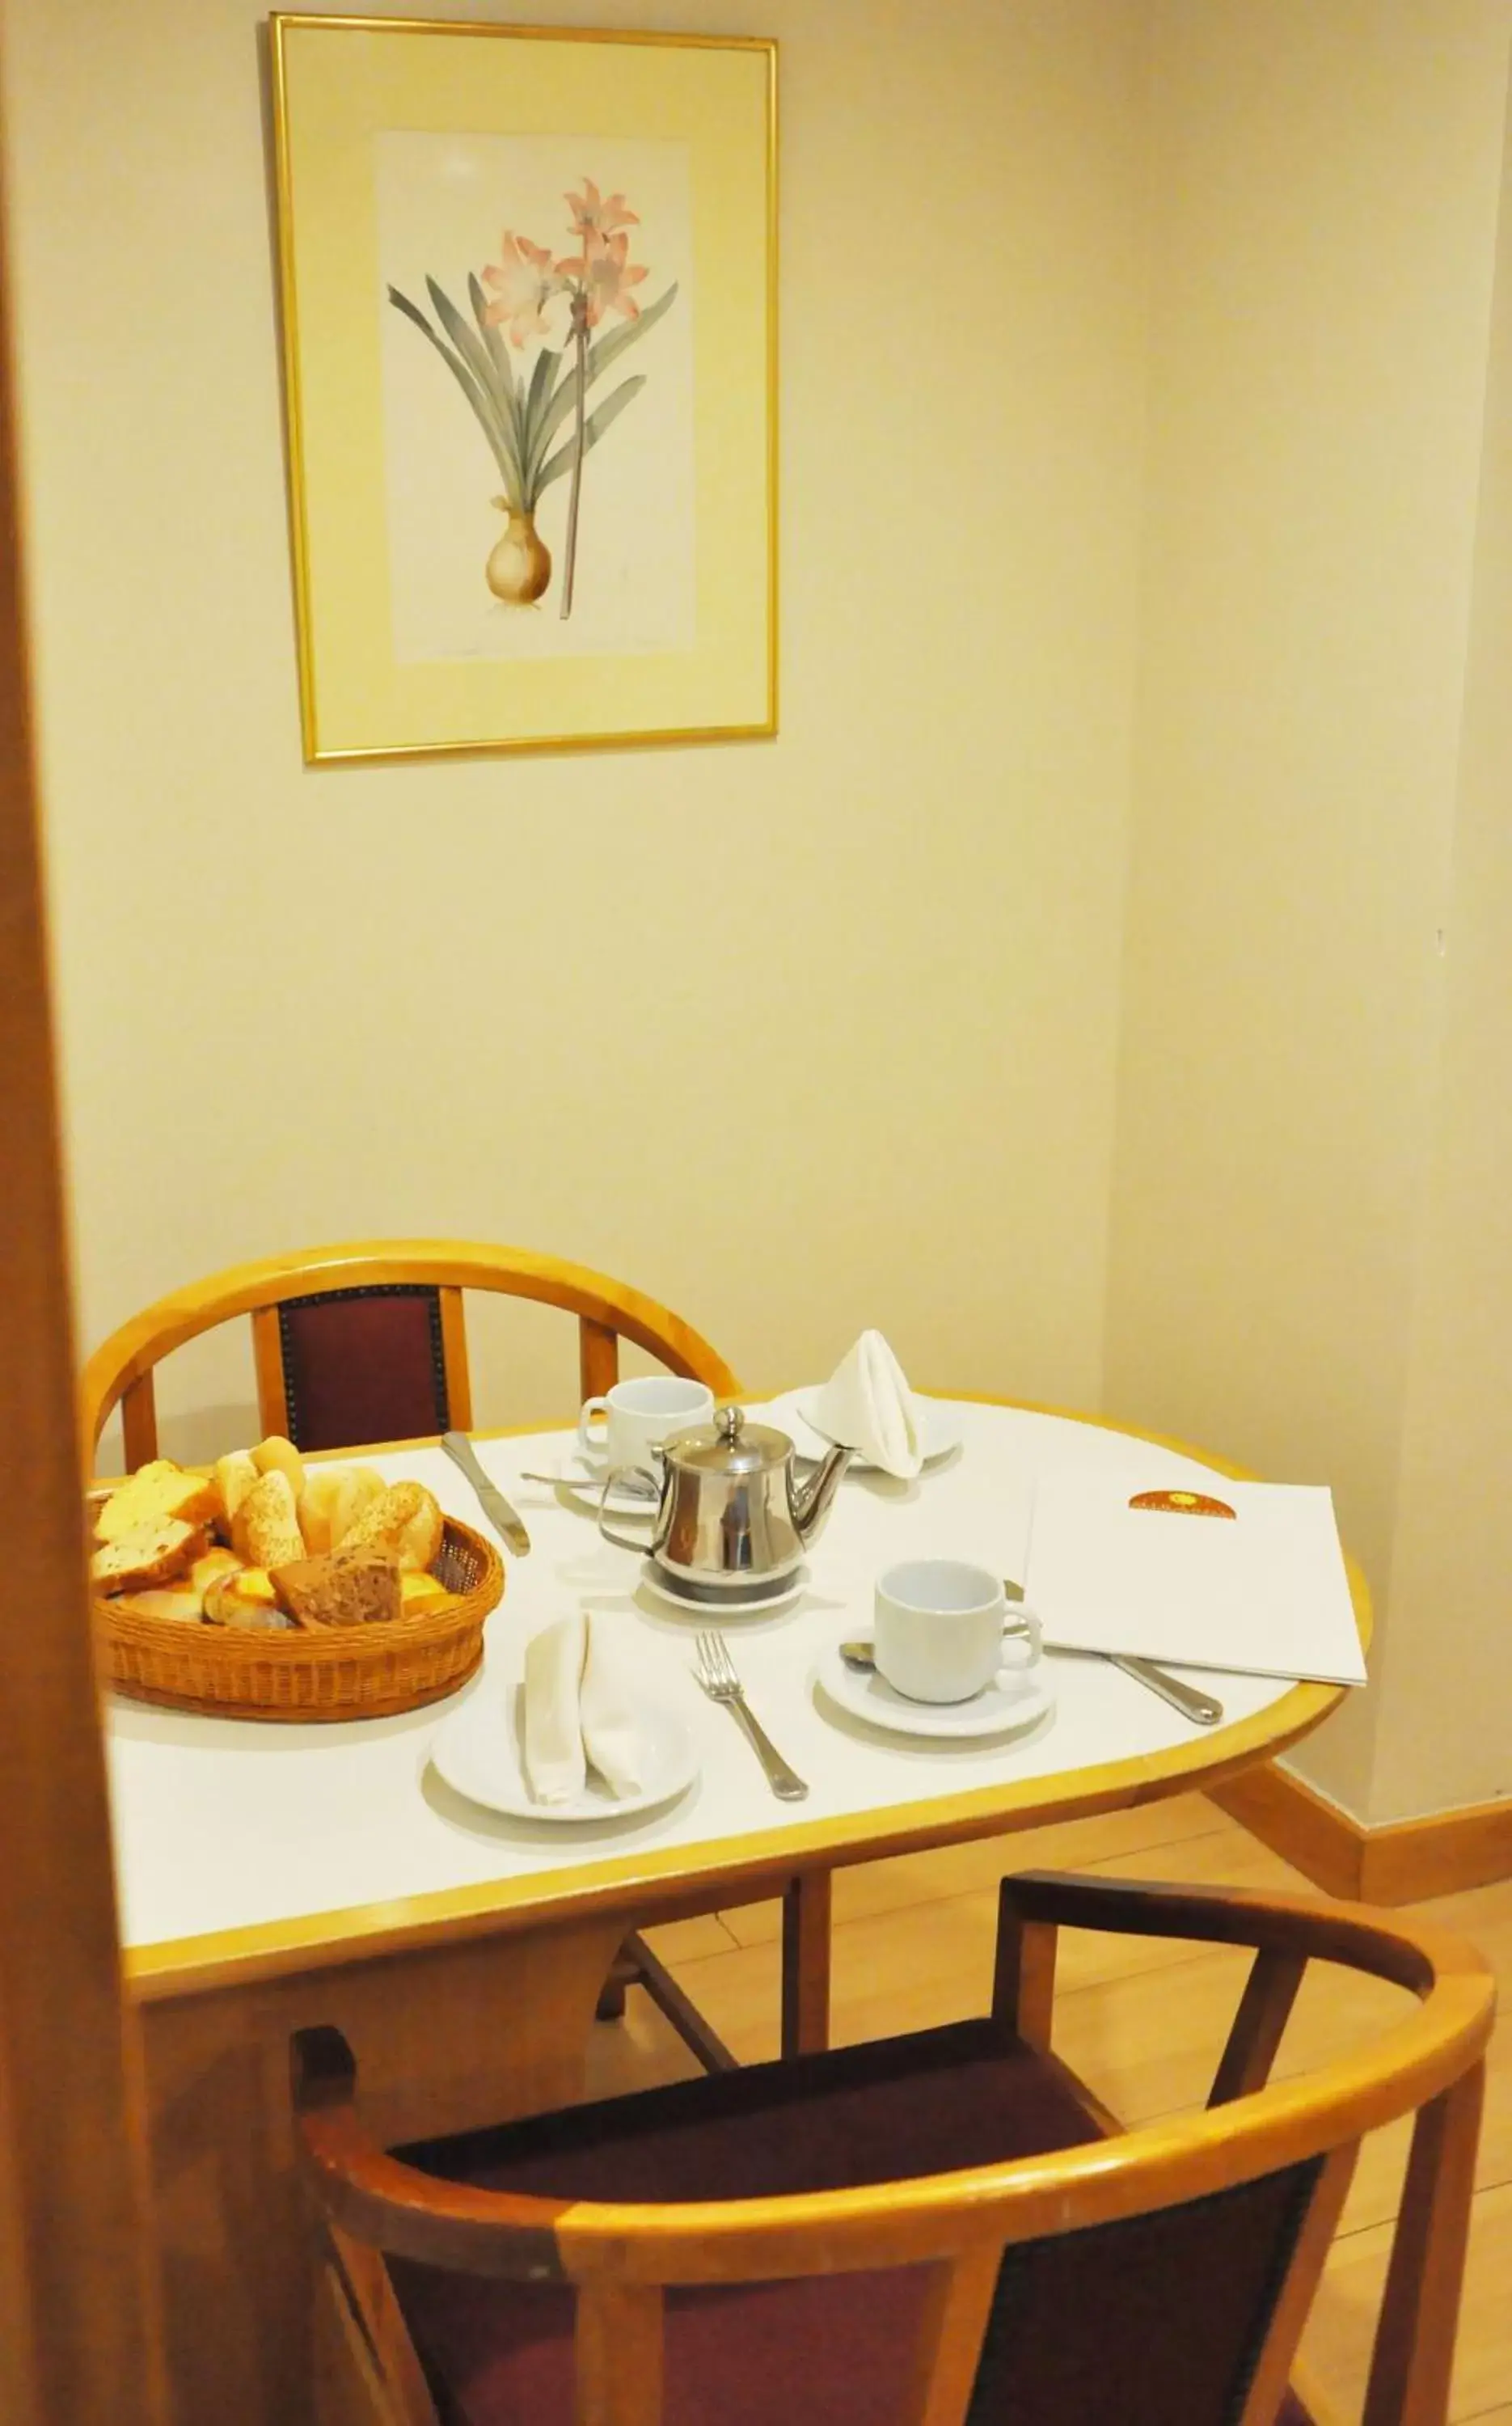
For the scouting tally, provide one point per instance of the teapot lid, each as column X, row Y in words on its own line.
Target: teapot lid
column 729, row 1444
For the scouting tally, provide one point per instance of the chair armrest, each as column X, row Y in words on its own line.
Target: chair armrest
column 394, row 2206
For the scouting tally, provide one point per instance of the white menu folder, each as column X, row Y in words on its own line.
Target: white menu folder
column 1263, row 1592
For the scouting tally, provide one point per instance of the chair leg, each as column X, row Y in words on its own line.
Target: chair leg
column 611, row 2004
column 806, row 1964
column 637, row 1967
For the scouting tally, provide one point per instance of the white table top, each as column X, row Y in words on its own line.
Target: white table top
column 230, row 1826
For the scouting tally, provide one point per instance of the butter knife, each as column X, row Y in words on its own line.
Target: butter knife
column 492, row 1499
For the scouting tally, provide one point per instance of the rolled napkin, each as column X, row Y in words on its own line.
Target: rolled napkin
column 555, row 1767
column 579, row 1712
column 867, row 1406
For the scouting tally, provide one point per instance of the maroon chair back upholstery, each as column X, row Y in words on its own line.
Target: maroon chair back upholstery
column 364, row 1364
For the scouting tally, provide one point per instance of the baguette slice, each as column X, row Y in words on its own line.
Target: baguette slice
column 359, row 1487
column 405, row 1519
column 154, row 1555
column 323, row 1486
column 353, row 1586
column 235, row 1476
column 266, row 1531
column 277, row 1455
column 152, row 1495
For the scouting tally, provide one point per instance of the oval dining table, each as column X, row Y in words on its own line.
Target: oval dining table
column 272, row 1876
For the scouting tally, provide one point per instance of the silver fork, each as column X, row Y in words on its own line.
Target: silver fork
column 717, row 1675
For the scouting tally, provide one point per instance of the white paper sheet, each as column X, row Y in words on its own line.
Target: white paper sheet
column 1263, row 1591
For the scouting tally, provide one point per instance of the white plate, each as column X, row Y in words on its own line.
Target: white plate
column 716, row 1612
column 942, row 1430
column 477, row 1753
column 1012, row 1702
column 586, row 1482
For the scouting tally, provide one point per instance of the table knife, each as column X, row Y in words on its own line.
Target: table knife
column 492, row 1499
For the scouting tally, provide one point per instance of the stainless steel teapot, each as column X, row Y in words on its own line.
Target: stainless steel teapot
column 731, row 1513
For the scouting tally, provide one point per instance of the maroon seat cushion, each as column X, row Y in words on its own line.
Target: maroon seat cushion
column 362, row 1364
column 837, row 2350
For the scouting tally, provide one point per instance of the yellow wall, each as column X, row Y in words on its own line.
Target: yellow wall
column 1324, row 230
column 799, row 1035
column 1444, row 1725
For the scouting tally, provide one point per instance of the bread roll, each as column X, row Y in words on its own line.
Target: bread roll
column 322, row 1487
column 406, row 1519
column 421, row 1592
column 154, row 1555
column 359, row 1487
column 245, row 1596
column 266, row 1530
column 235, row 1476
column 178, row 1602
column 211, row 1567
column 152, row 1495
column 277, row 1455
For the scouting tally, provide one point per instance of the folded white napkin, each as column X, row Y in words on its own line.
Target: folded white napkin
column 867, row 1405
column 579, row 1712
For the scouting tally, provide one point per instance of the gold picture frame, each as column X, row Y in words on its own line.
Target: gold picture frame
column 477, row 225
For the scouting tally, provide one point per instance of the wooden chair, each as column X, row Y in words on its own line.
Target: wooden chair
column 367, row 1342
column 921, row 2231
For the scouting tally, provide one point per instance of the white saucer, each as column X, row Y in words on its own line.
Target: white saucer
column 1012, row 1702
column 586, row 1482
column 716, row 1610
column 477, row 1753
column 941, row 1427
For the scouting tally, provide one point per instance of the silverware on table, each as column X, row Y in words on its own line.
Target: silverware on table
column 1201, row 1708
column 504, row 1518
column 585, row 1485
column 717, row 1675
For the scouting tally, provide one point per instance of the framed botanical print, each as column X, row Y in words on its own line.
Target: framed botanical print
column 528, row 281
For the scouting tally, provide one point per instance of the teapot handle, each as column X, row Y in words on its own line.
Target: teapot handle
column 623, row 1541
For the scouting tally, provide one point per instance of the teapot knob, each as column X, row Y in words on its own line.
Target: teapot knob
column 730, row 1421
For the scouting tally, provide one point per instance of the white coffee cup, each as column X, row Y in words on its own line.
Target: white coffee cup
column 939, row 1633
column 638, row 1415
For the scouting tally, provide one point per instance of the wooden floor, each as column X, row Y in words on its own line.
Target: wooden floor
column 1139, row 2019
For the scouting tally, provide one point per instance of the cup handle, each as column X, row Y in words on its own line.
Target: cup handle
column 590, row 1448
column 1023, row 1646
column 625, row 1541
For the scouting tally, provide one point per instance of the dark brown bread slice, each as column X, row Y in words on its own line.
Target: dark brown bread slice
column 347, row 1587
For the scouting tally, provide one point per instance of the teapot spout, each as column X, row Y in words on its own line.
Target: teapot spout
column 811, row 1505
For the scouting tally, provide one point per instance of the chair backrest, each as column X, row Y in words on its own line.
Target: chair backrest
column 1018, row 2291
column 367, row 1342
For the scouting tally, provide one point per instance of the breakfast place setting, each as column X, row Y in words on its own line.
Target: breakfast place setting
column 686, row 1620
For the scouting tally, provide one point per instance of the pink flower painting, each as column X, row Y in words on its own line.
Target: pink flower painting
column 531, row 302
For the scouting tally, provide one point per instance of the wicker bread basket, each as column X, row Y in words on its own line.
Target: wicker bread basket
column 350, row 1672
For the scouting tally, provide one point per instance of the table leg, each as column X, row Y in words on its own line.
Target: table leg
column 446, row 2038
column 806, row 1963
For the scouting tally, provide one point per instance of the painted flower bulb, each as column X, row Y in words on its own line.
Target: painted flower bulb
column 519, row 564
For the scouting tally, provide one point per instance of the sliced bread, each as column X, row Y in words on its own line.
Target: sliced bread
column 353, row 1586
column 152, row 1495
column 154, row 1555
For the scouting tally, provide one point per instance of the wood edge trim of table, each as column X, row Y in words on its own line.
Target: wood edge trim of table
column 1403, row 1861
column 693, row 1877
